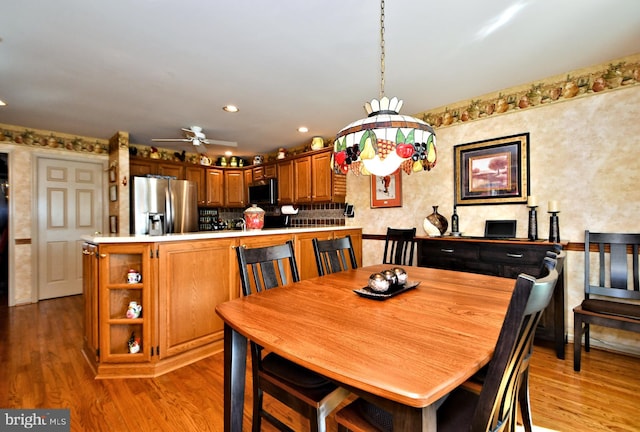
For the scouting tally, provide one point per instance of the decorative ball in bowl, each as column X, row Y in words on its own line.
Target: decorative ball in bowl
column 387, row 279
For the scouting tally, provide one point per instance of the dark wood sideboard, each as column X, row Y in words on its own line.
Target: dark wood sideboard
column 506, row 258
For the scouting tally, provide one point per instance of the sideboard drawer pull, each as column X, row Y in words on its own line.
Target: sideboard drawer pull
column 447, row 250
column 512, row 255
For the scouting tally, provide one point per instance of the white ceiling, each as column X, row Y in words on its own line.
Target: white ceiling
column 150, row 67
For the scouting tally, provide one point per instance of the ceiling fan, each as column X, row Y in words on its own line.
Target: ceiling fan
column 195, row 136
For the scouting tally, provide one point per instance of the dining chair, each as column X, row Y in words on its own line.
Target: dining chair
column 399, row 246
column 304, row 391
column 493, row 408
column 608, row 296
column 331, row 255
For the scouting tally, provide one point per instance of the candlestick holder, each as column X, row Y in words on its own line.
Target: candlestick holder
column 533, row 223
column 554, row 227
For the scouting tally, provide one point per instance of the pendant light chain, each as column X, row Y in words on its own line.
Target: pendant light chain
column 381, row 49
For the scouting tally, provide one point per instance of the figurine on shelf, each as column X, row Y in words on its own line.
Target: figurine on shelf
column 134, row 343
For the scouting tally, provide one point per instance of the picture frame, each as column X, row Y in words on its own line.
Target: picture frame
column 113, row 193
column 386, row 191
column 113, row 224
column 493, row 171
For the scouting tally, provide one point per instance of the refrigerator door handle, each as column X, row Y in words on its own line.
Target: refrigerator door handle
column 169, row 210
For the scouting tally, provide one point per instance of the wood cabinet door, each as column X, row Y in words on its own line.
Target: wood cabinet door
column 90, row 293
column 234, row 188
column 193, row 278
column 198, row 175
column 173, row 170
column 356, row 241
column 270, row 171
column 285, row 182
column 321, row 178
column 257, row 174
column 215, row 187
column 302, row 180
column 142, row 167
column 248, row 180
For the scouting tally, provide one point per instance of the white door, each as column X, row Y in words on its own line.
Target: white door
column 69, row 205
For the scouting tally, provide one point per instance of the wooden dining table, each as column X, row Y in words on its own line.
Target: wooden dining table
column 405, row 352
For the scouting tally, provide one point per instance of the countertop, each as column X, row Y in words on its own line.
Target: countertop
column 204, row 235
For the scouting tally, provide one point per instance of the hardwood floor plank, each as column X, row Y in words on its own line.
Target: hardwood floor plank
column 41, row 366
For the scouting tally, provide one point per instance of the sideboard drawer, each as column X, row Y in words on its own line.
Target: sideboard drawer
column 444, row 249
column 513, row 254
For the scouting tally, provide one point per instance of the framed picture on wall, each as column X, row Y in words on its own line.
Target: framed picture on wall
column 494, row 171
column 386, row 191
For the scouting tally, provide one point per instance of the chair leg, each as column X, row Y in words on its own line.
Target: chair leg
column 587, row 337
column 577, row 342
column 256, row 421
column 525, row 406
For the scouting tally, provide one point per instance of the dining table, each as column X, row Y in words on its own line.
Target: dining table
column 405, row 349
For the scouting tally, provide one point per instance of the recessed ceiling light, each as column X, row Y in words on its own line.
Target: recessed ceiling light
column 228, row 153
column 230, row 108
column 303, row 129
column 2, row 103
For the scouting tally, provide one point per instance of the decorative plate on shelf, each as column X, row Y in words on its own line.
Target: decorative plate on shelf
column 391, row 292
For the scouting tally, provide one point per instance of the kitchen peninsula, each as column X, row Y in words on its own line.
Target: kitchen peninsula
column 182, row 279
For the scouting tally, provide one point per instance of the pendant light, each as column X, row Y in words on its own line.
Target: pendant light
column 385, row 140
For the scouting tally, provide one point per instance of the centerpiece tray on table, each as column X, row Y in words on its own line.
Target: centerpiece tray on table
column 393, row 290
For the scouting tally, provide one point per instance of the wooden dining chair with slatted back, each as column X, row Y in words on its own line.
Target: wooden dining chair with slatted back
column 304, row 391
column 399, row 246
column 609, row 299
column 331, row 255
column 494, row 407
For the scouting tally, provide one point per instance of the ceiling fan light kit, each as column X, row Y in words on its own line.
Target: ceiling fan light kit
column 384, row 141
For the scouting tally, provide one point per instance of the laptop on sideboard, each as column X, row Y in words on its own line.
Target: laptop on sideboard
column 500, row 229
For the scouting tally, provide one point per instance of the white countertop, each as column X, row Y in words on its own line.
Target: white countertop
column 203, row 235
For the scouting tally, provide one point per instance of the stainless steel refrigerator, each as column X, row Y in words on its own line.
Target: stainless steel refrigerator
column 163, row 205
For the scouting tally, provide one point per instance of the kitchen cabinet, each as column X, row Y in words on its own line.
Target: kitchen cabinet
column 234, row 190
column 270, row 171
column 115, row 294
column 315, row 181
column 90, row 297
column 215, row 187
column 285, row 182
column 182, row 281
column 142, row 167
column 500, row 258
column 248, row 180
column 302, row 180
column 199, row 176
column 194, row 277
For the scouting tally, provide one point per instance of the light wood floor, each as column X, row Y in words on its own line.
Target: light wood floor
column 41, row 367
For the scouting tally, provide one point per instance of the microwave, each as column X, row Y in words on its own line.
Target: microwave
column 265, row 192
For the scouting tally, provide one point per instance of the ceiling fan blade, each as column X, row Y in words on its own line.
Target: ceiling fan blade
column 171, row 139
column 220, row 142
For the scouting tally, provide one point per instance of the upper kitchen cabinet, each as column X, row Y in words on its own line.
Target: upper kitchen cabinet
column 315, row 180
column 285, row 182
column 198, row 175
column 142, row 167
column 234, row 190
column 215, row 187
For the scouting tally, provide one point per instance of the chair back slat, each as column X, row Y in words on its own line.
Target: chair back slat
column 614, row 270
column 331, row 255
column 399, row 246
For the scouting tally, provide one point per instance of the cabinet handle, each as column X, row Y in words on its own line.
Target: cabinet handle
column 85, row 252
column 512, row 255
column 447, row 250
column 103, row 255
